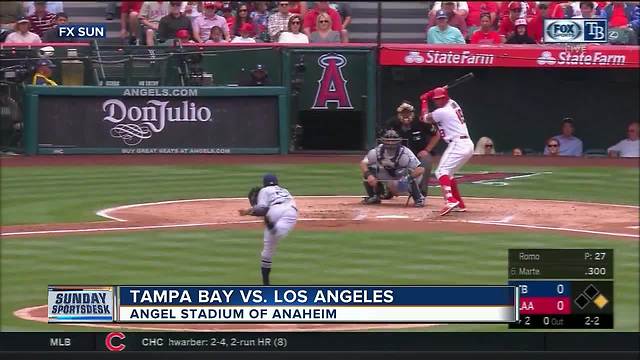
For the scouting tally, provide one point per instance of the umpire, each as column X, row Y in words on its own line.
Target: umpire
column 421, row 138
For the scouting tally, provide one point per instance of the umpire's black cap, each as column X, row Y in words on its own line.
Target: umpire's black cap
column 269, row 179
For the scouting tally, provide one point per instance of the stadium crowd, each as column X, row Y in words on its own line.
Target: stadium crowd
column 521, row 22
column 448, row 22
column 155, row 22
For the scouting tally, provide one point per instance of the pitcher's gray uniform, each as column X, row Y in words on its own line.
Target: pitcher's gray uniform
column 280, row 213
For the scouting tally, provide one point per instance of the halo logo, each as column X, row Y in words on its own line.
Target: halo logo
column 108, row 341
column 332, row 86
column 546, row 58
column 414, row 57
column 562, row 30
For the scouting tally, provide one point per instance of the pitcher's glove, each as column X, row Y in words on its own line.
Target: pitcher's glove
column 253, row 195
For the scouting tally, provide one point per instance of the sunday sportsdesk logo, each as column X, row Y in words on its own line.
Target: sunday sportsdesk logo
column 133, row 124
column 74, row 304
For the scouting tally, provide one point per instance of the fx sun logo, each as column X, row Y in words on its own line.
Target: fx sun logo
column 332, row 87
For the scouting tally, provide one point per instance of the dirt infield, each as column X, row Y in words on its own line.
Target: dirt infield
column 333, row 213
column 345, row 213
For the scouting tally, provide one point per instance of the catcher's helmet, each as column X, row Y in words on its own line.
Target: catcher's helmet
column 440, row 93
column 269, row 179
column 390, row 140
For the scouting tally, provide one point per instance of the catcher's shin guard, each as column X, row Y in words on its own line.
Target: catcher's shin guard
column 372, row 196
column 417, row 196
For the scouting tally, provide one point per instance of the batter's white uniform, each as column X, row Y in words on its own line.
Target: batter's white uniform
column 453, row 130
column 280, row 219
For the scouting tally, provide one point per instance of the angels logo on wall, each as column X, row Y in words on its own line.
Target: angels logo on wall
column 332, row 86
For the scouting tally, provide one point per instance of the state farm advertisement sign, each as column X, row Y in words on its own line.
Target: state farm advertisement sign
column 595, row 56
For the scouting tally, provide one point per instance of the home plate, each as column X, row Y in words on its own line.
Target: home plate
column 392, row 217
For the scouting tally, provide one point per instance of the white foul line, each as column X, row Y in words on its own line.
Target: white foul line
column 551, row 228
column 149, row 227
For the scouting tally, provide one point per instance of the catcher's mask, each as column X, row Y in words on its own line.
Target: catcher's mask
column 269, row 179
column 390, row 141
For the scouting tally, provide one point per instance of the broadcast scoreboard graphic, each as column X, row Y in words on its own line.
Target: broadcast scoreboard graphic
column 547, row 288
column 563, row 288
column 284, row 304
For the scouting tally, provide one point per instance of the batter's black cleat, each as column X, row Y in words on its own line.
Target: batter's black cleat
column 372, row 200
column 420, row 203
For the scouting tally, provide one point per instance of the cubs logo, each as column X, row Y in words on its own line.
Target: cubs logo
column 332, row 86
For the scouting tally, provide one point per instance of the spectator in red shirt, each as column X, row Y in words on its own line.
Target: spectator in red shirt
column 560, row 10
column 507, row 22
column 227, row 14
column 527, row 8
column 619, row 14
column 486, row 35
column 536, row 24
column 129, row 24
column 454, row 19
column 242, row 17
column 312, row 15
column 298, row 7
column 41, row 20
column 479, row 8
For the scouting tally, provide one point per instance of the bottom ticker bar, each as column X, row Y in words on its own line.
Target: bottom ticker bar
column 319, row 341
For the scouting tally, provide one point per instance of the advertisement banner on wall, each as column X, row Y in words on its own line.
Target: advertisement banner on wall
column 584, row 56
column 216, row 125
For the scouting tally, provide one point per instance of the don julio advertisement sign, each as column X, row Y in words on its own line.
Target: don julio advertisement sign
column 158, row 124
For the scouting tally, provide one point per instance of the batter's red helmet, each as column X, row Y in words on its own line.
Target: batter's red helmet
column 439, row 93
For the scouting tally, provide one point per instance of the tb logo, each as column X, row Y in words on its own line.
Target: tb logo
column 595, row 30
column 332, row 86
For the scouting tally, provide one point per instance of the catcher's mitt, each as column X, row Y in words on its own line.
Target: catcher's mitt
column 253, row 195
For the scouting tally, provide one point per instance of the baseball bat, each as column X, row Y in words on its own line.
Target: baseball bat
column 460, row 80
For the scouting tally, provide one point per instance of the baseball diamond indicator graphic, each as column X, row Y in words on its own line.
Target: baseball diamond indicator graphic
column 332, row 86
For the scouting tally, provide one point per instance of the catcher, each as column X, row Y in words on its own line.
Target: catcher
column 394, row 164
column 278, row 208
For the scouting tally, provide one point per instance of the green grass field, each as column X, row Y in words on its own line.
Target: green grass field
column 74, row 194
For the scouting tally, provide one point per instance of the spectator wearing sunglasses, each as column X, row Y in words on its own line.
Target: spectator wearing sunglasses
column 629, row 147
column 569, row 145
column 552, row 148
column 311, row 18
column 279, row 21
column 294, row 35
column 484, row 146
column 323, row 33
column 242, row 17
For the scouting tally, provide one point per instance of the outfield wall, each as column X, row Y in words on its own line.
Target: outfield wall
column 336, row 96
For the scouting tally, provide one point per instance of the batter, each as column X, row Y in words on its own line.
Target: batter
column 449, row 119
column 280, row 213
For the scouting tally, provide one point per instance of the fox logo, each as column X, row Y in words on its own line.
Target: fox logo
column 332, row 87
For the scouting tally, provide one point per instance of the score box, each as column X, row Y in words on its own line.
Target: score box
column 544, row 297
column 563, row 288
